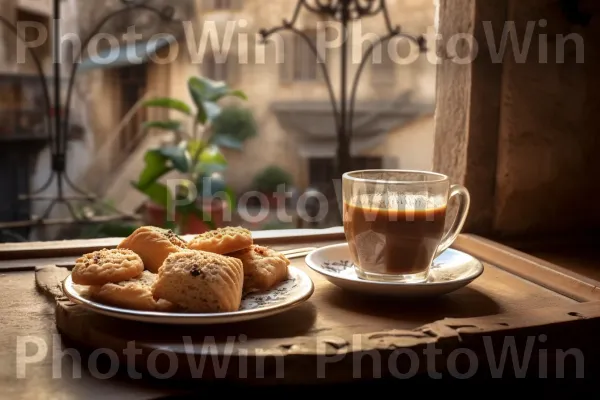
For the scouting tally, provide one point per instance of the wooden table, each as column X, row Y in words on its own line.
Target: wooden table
column 518, row 298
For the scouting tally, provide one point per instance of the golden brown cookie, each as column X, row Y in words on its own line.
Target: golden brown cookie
column 107, row 266
column 153, row 245
column 263, row 268
column 222, row 240
column 133, row 294
column 198, row 281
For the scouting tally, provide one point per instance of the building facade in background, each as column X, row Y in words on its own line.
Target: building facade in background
column 219, row 39
column 395, row 102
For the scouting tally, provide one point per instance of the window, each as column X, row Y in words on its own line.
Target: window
column 300, row 63
column 219, row 69
column 22, row 109
column 215, row 69
column 320, row 171
column 305, row 60
column 133, row 82
column 368, row 163
column 223, row 4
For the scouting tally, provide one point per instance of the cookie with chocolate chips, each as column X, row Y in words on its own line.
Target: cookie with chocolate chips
column 199, row 281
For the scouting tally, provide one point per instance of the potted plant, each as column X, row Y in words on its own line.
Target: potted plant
column 238, row 122
column 195, row 157
column 270, row 180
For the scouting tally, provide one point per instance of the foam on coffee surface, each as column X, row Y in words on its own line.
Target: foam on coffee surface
column 398, row 202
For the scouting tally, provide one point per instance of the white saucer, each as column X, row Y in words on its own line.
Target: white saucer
column 451, row 271
column 288, row 294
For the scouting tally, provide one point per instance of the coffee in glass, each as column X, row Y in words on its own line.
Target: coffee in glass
column 395, row 221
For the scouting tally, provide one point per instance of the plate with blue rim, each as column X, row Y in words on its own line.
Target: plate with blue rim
column 450, row 271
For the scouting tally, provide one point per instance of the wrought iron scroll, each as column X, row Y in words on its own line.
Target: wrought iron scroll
column 344, row 12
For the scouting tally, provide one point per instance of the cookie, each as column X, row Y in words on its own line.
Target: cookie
column 107, row 266
column 199, row 281
column 153, row 245
column 263, row 268
column 133, row 294
column 222, row 240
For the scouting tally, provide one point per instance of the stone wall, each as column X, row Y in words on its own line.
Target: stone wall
column 549, row 136
column 521, row 130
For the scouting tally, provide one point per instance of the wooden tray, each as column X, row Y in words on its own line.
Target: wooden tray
column 341, row 336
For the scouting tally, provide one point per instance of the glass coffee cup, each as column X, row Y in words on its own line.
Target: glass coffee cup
column 395, row 222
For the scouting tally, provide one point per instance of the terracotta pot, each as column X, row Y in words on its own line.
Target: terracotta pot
column 273, row 200
column 156, row 215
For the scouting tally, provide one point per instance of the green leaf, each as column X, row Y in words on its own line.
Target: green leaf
column 157, row 193
column 231, row 201
column 238, row 94
column 227, row 141
column 208, row 89
column 156, row 167
column 178, row 157
column 211, row 186
column 195, row 147
column 169, row 125
column 212, row 110
column 199, row 102
column 212, row 155
column 207, row 169
column 172, row 104
column 214, row 91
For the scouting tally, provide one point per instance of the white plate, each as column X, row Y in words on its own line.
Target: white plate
column 451, row 271
column 288, row 294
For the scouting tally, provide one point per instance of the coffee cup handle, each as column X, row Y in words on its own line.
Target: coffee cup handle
column 460, row 219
